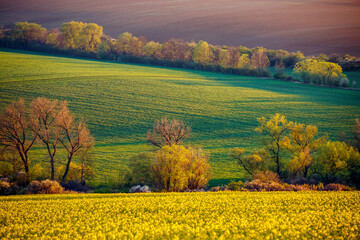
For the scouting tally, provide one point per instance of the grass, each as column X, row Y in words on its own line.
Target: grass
column 208, row 215
column 120, row 103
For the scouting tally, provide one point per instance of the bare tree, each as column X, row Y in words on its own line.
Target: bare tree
column 76, row 137
column 44, row 115
column 168, row 132
column 15, row 133
column 259, row 60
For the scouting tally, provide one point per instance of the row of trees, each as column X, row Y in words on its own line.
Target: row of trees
column 295, row 150
column 49, row 124
column 87, row 39
column 321, row 73
column 290, row 150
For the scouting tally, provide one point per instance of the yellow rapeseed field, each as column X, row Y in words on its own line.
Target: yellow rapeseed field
column 222, row 215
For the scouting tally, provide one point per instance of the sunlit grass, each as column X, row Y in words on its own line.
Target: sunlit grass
column 120, row 102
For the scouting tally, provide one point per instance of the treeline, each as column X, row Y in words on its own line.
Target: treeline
column 88, row 40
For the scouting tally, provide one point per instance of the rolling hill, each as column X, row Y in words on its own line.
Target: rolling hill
column 120, row 103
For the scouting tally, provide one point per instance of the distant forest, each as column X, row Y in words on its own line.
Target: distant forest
column 87, row 40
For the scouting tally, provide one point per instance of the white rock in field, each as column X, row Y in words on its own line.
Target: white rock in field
column 139, row 189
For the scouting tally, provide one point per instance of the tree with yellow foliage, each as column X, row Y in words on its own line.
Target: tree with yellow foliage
column 177, row 168
column 27, row 32
column 273, row 131
column 302, row 143
column 71, row 32
column 252, row 163
column 202, row 53
column 319, row 72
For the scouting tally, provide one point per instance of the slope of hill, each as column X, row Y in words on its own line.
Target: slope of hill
column 120, row 102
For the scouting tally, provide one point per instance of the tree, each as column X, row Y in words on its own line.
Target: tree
column 302, row 144
column 51, row 39
column 224, row 58
column 151, row 49
column 168, row 132
column 76, row 136
column 15, row 132
column 127, row 44
column 71, row 32
column 259, row 60
column 45, row 123
column 243, row 61
column 319, row 72
column 175, row 50
column 202, row 53
column 273, row 131
column 177, row 168
column 27, row 32
column 85, row 164
column 199, row 172
column 170, row 168
column 252, row 163
column 337, row 159
column 356, row 135
column 80, row 171
column 90, row 37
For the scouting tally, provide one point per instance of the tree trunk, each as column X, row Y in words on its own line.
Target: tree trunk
column 52, row 162
column 67, row 168
column 306, row 171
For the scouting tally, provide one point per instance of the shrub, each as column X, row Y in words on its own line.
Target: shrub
column 76, row 186
column 289, row 78
column 279, row 75
column 267, row 176
column 320, row 187
column 4, row 188
column 44, row 187
column 344, row 82
column 220, row 188
column 336, row 187
column 236, row 186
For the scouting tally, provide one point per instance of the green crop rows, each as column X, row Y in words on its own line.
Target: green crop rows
column 120, row 102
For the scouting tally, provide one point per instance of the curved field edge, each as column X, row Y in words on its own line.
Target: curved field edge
column 208, row 215
column 120, row 102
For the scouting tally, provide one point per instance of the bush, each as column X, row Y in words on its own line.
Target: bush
column 236, row 186
column 76, row 186
column 280, row 75
column 44, row 187
column 289, row 79
column 4, row 188
column 267, row 176
column 220, row 188
column 336, row 187
column 344, row 82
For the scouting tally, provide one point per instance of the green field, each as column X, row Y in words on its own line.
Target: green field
column 120, row 102
column 208, row 215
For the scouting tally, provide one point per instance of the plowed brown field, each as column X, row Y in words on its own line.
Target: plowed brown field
column 312, row 26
